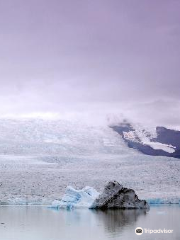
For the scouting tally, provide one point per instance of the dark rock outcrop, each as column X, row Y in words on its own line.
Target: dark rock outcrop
column 168, row 136
column 115, row 196
column 164, row 136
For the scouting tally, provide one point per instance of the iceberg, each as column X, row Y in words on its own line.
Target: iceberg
column 83, row 198
column 114, row 196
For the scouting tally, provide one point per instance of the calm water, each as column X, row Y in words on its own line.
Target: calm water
column 41, row 223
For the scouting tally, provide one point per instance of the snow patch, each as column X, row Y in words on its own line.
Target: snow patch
column 161, row 146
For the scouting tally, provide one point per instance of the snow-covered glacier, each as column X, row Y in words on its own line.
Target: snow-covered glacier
column 57, row 137
column 40, row 158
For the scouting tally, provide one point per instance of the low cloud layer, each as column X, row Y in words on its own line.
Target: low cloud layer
column 91, row 59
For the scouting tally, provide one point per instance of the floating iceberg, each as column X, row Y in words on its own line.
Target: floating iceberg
column 77, row 198
column 113, row 196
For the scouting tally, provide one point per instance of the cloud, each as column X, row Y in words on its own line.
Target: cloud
column 101, row 57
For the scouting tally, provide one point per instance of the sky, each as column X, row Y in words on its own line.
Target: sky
column 91, row 58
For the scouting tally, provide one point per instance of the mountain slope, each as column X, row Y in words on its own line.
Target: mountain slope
column 161, row 142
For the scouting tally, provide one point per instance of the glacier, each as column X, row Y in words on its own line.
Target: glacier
column 40, row 158
column 157, row 201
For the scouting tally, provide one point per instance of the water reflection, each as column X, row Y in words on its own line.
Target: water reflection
column 114, row 221
column 41, row 223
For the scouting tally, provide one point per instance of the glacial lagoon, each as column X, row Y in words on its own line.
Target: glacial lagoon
column 43, row 223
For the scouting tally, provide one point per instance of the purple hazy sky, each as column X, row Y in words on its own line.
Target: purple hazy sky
column 76, row 55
